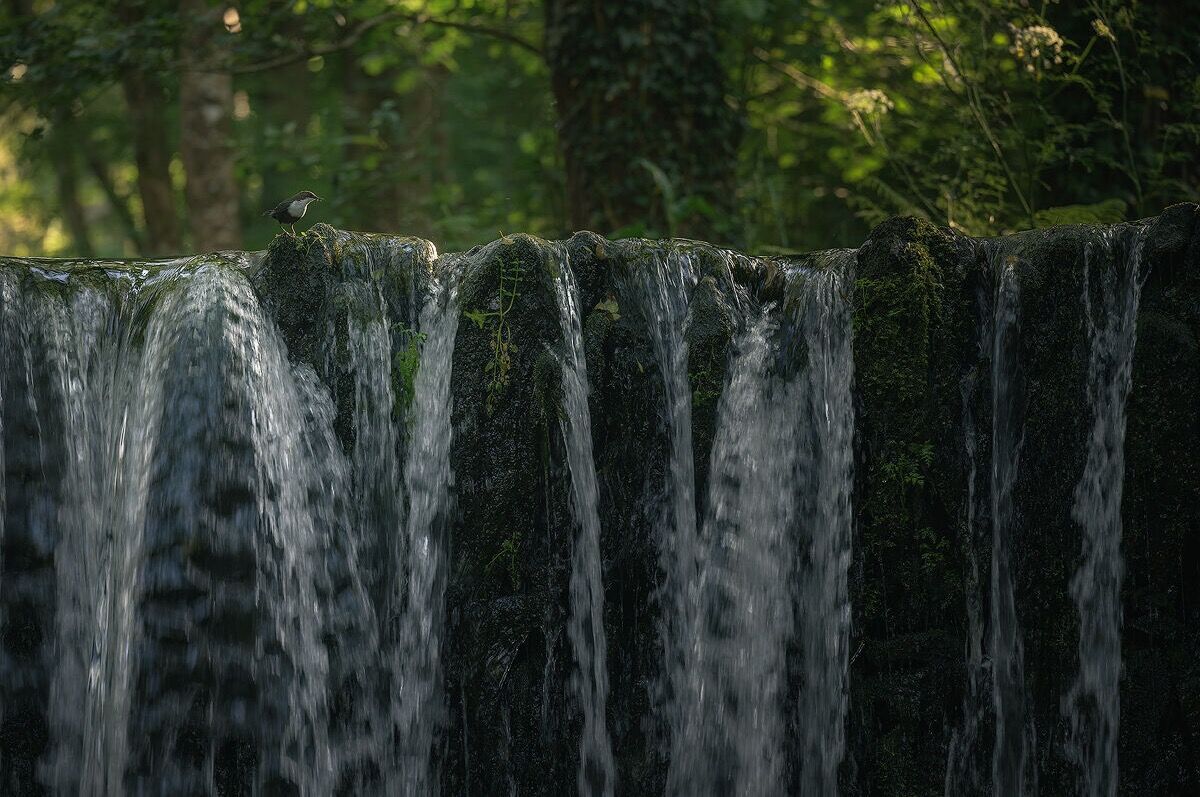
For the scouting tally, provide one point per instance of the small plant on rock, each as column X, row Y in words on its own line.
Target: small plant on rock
column 503, row 347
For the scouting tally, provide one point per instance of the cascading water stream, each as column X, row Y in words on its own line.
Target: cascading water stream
column 739, row 658
column 1013, row 744
column 962, row 774
column 124, row 386
column 780, row 483
column 585, row 628
column 828, row 460
column 1094, row 700
column 111, row 413
column 419, row 604
column 666, row 287
column 370, row 486
column 258, row 562
column 102, row 387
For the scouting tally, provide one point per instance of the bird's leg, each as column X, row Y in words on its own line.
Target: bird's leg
column 293, row 226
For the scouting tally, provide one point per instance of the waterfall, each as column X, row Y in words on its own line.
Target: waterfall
column 366, row 632
column 740, row 655
column 667, row 283
column 151, row 543
column 778, row 514
column 111, row 398
column 377, row 461
column 234, row 559
column 586, row 626
column 962, row 774
column 418, row 598
column 1013, row 744
column 1094, row 700
column 191, row 487
column 828, row 460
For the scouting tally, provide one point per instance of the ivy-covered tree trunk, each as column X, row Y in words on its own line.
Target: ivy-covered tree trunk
column 645, row 130
column 206, row 129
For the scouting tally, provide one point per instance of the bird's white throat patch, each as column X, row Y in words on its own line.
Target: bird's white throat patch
column 298, row 207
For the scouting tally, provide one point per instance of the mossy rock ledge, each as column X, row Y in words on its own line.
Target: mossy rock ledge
column 922, row 301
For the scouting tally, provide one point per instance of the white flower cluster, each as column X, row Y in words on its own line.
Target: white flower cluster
column 867, row 102
column 1038, row 47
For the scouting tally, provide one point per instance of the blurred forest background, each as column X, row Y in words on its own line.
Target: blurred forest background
column 149, row 127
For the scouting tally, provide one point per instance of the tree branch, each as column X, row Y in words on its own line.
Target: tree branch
column 481, row 30
column 118, row 203
column 975, row 105
column 796, row 76
column 350, row 39
column 361, row 29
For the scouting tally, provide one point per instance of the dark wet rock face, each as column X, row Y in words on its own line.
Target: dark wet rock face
column 316, row 522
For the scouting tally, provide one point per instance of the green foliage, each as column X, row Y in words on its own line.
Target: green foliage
column 507, row 557
column 384, row 123
column 907, row 467
column 706, row 389
column 1110, row 211
column 977, row 114
column 774, row 125
column 405, row 363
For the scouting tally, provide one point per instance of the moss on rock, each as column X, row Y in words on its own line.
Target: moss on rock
column 913, row 332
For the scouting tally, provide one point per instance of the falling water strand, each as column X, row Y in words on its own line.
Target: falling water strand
column 112, row 429
column 70, row 326
column 71, row 329
column 416, row 664
column 108, row 396
column 354, row 741
column 824, row 598
column 735, row 732
column 379, row 505
column 378, row 512
column 264, row 411
column 247, row 536
column 596, row 774
column 667, row 283
column 30, row 522
column 1094, row 700
column 962, row 774
column 1011, row 753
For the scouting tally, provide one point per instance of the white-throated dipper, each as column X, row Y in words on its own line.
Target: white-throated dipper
column 290, row 211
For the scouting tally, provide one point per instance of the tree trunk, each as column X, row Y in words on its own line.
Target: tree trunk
column 646, row 134
column 66, row 172
column 206, row 129
column 152, row 151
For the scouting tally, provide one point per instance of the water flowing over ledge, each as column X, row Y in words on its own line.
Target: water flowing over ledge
column 608, row 517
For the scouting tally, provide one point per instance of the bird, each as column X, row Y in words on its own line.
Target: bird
column 290, row 211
